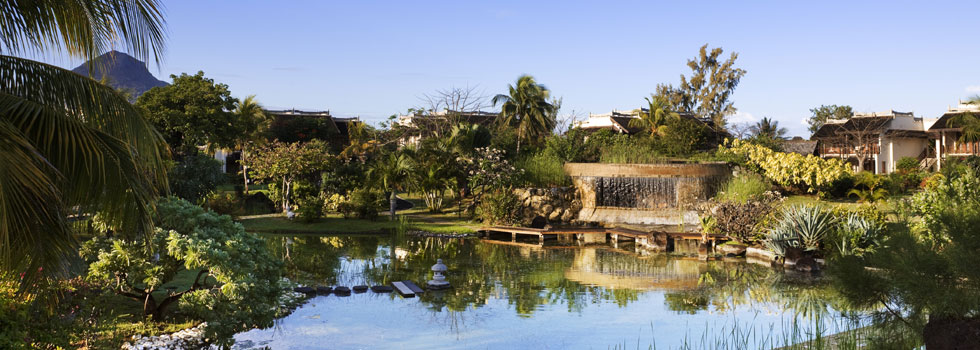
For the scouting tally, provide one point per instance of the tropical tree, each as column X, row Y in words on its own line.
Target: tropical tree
column 526, row 107
column 820, row 115
column 69, row 143
column 252, row 126
column 284, row 163
column 192, row 111
column 869, row 187
column 707, row 93
column 768, row 128
column 392, row 173
column 969, row 123
column 657, row 114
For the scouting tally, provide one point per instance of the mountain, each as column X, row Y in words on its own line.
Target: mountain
column 122, row 72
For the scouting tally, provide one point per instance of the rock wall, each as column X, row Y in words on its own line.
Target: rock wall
column 557, row 204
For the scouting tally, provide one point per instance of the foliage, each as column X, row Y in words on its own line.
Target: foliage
column 195, row 177
column 768, row 129
column 744, row 220
column 391, row 173
column 543, row 169
column 907, row 165
column 926, row 268
column 67, row 142
column 499, row 207
column 683, row 137
column 790, row 169
column 237, row 284
column 970, row 125
column 362, row 203
column 803, row 227
column 656, row 117
column 526, row 108
column 743, row 187
column 192, row 111
column 576, row 145
column 868, row 187
column 488, row 169
column 857, row 235
column 284, row 163
column 822, row 114
column 708, row 91
column 253, row 126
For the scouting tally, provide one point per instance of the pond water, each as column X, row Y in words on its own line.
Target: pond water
column 526, row 297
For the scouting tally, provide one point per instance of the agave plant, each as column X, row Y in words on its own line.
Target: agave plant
column 856, row 235
column 800, row 226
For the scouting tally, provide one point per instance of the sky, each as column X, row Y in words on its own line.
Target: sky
column 373, row 59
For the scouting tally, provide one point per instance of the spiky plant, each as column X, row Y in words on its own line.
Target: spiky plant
column 800, row 226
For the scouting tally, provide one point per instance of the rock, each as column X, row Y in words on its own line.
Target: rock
column 341, row 291
column 807, row 264
column 952, row 333
column 304, row 290
column 733, row 249
column 547, row 208
column 555, row 215
column 539, row 222
column 360, row 289
column 323, row 290
column 567, row 216
column 381, row 289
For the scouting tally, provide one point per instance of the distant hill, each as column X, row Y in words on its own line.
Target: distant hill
column 122, row 71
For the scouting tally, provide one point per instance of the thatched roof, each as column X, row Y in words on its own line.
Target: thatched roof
column 803, row 147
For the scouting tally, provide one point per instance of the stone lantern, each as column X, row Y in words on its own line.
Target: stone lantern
column 438, row 278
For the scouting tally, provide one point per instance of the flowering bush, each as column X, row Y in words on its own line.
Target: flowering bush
column 808, row 172
column 489, row 169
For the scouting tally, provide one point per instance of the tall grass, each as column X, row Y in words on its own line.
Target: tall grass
column 841, row 333
column 543, row 170
column 744, row 187
column 631, row 153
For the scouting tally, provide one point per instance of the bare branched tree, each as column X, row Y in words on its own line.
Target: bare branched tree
column 452, row 102
column 740, row 131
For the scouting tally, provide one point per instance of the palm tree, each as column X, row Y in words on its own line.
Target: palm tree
column 969, row 123
column 768, row 128
column 69, row 144
column 391, row 173
column 526, row 107
column 658, row 112
column 253, row 125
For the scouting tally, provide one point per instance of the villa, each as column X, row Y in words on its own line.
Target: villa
column 619, row 121
column 875, row 141
column 946, row 138
column 423, row 125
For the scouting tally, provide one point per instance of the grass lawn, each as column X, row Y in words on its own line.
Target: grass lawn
column 885, row 206
column 336, row 224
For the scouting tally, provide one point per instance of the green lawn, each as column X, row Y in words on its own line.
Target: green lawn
column 885, row 206
column 335, row 224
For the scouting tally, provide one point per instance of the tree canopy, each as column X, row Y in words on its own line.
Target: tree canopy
column 527, row 109
column 193, row 111
column 822, row 114
column 707, row 93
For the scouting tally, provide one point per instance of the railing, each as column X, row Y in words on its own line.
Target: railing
column 972, row 148
column 847, row 150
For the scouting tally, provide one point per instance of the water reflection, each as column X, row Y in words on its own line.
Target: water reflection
column 601, row 291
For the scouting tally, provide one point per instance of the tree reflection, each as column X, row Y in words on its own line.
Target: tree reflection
column 531, row 277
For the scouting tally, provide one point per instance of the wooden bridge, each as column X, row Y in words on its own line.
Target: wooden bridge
column 662, row 240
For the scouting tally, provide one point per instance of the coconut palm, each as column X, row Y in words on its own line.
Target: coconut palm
column 969, row 123
column 768, row 128
column 69, row 144
column 526, row 107
column 253, row 125
column 392, row 173
column 657, row 114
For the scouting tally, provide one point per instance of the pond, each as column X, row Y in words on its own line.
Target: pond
column 516, row 297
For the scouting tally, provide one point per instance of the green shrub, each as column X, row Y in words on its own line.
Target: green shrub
column 907, row 165
column 543, row 170
column 499, row 207
column 744, row 187
column 362, row 203
column 195, row 177
column 869, row 187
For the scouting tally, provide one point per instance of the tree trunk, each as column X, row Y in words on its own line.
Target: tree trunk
column 244, row 169
column 150, row 307
column 392, row 203
column 944, row 333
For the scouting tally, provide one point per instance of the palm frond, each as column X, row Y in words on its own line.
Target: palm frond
column 83, row 28
column 34, row 234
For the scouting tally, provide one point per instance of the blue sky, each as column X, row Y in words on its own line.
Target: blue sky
column 376, row 58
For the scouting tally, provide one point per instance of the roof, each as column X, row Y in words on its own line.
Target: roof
column 803, row 147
